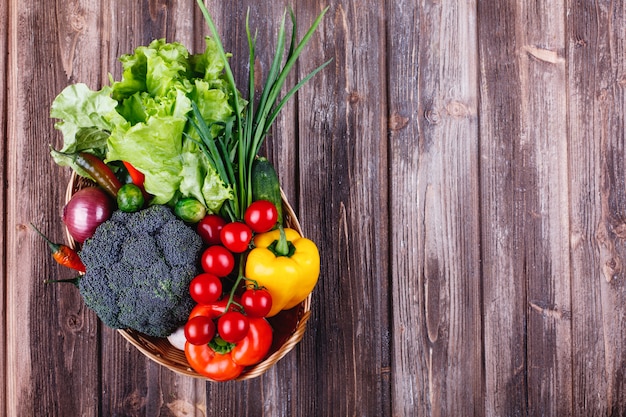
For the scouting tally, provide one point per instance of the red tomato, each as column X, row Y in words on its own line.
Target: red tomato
column 253, row 348
column 213, row 365
column 209, row 229
column 199, row 330
column 236, row 236
column 205, row 288
column 217, row 260
column 261, row 216
column 256, row 302
column 212, row 310
column 233, row 326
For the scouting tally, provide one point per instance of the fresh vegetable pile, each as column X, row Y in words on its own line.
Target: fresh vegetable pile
column 181, row 230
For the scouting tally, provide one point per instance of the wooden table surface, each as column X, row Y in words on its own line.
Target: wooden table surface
column 461, row 165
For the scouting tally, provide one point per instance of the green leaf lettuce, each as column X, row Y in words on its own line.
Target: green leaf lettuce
column 142, row 119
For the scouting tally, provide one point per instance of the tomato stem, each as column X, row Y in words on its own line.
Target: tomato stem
column 231, row 297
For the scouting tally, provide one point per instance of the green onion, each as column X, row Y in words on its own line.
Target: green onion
column 234, row 164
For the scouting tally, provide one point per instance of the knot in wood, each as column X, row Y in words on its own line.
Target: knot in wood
column 397, row 122
column 457, row 109
column 620, row 231
column 580, row 42
column 603, row 95
column 432, row 117
column 133, row 403
column 612, row 267
column 77, row 21
column 354, row 97
column 74, row 322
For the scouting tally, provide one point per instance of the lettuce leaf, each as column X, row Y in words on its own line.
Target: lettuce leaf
column 142, row 119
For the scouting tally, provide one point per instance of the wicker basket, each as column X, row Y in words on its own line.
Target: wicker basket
column 289, row 325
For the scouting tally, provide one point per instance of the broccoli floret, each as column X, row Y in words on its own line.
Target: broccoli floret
column 149, row 220
column 173, row 243
column 105, row 246
column 139, row 266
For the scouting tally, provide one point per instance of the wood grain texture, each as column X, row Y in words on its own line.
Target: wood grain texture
column 502, row 211
column 344, row 182
column 460, row 165
column 435, row 224
column 596, row 50
column 543, row 217
column 4, row 33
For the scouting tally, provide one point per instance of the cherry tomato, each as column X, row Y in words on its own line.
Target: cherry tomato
column 256, row 302
column 261, row 216
column 217, row 260
column 209, row 229
column 233, row 326
column 199, row 330
column 236, row 236
column 205, row 288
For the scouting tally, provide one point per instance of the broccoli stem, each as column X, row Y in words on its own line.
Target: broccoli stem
column 74, row 281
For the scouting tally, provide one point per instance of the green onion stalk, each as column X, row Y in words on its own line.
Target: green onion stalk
column 233, row 162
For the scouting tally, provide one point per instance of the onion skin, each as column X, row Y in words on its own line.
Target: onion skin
column 87, row 209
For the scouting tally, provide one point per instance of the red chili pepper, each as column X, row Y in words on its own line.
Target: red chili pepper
column 99, row 172
column 63, row 254
column 137, row 176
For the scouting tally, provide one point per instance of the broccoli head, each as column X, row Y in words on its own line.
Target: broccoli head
column 139, row 266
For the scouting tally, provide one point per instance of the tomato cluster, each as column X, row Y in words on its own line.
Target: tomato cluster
column 227, row 330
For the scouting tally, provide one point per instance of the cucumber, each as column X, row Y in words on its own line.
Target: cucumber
column 265, row 185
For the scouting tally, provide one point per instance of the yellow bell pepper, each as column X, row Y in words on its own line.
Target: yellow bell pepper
column 289, row 273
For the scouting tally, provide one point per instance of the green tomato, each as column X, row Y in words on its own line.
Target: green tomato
column 190, row 210
column 130, row 198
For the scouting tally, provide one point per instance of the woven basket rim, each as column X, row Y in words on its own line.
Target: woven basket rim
column 162, row 352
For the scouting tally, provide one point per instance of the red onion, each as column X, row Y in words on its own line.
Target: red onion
column 87, row 209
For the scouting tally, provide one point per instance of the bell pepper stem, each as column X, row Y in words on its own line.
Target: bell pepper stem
column 282, row 245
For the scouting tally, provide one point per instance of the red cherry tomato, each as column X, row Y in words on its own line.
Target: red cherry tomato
column 261, row 216
column 256, row 302
column 209, row 229
column 236, row 236
column 233, row 326
column 217, row 260
column 199, row 330
column 205, row 288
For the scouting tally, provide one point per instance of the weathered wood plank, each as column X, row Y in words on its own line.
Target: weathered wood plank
column 543, row 215
column 51, row 339
column 502, row 183
column 343, row 205
column 4, row 33
column 596, row 49
column 435, row 227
